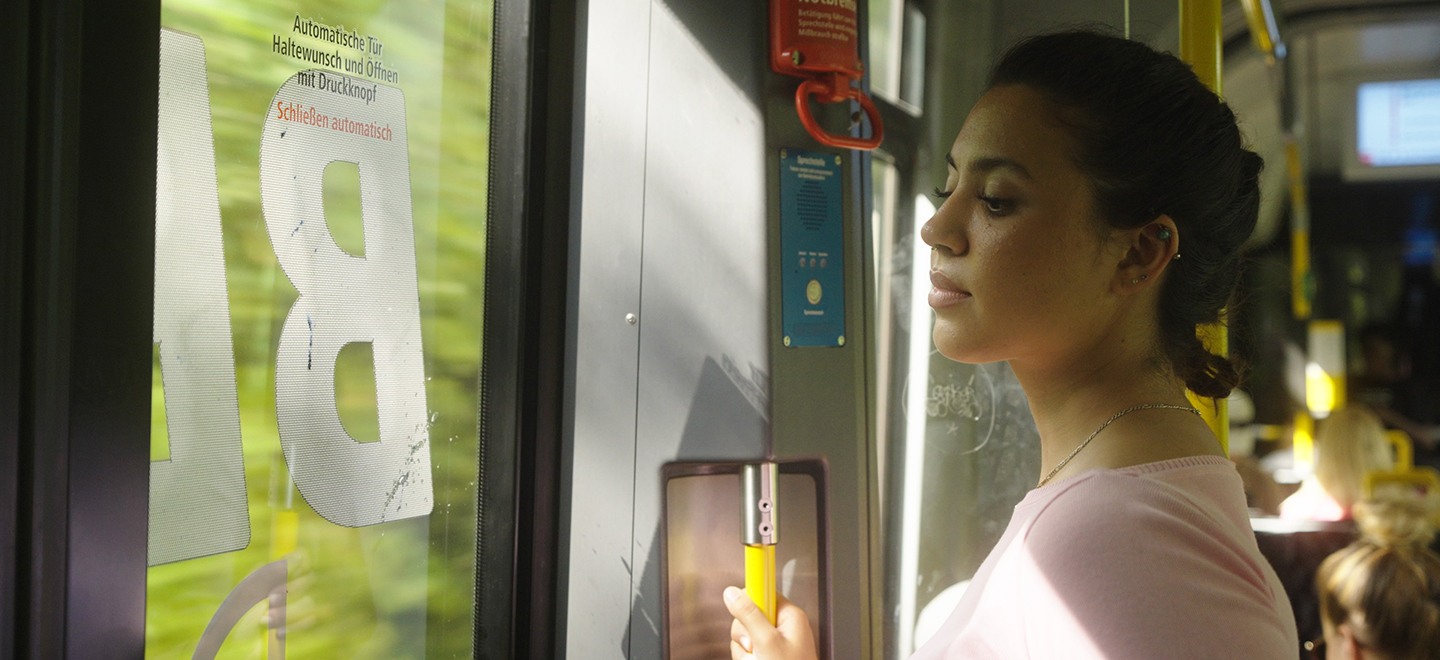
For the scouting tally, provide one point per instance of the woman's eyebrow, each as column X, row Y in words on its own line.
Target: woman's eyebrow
column 989, row 164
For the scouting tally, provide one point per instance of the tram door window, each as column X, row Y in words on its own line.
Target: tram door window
column 319, row 280
column 897, row 53
column 956, row 445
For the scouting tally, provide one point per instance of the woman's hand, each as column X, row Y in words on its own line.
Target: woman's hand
column 753, row 638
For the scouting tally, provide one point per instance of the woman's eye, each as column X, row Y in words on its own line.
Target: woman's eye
column 943, row 195
column 995, row 205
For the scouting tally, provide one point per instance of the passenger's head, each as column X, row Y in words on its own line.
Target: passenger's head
column 1380, row 596
column 1097, row 183
column 1349, row 444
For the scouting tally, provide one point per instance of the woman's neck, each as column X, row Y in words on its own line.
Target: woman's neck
column 1071, row 398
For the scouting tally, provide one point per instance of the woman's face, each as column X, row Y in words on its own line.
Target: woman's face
column 1019, row 266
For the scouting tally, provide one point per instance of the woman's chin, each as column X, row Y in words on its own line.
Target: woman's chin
column 961, row 346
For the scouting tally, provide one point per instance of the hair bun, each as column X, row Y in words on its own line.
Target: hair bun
column 1396, row 520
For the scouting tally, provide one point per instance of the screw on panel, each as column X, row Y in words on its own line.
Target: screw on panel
column 842, row 340
column 630, row 318
column 797, row 57
column 787, row 341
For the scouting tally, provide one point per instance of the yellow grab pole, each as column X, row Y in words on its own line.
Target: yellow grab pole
column 760, row 531
column 1200, row 45
column 1260, row 15
column 1301, row 281
column 760, row 578
column 1200, row 40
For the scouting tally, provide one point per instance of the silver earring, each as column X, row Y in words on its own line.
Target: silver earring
column 1144, row 277
column 1177, row 255
column 1134, row 281
column 1164, row 234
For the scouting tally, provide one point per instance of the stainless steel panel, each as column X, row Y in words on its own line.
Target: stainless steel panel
column 703, row 358
column 606, row 288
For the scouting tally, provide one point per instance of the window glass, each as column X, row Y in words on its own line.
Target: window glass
column 884, row 40
column 912, row 85
column 962, row 451
column 320, row 245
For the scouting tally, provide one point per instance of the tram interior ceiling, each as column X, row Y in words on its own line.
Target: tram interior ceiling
column 462, row 329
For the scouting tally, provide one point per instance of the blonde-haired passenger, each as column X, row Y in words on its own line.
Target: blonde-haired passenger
column 1350, row 444
column 1380, row 596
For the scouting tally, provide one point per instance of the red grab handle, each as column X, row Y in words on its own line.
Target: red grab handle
column 836, row 91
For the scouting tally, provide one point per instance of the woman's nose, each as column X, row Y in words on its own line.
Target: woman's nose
column 941, row 231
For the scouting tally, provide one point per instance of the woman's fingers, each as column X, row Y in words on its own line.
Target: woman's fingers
column 757, row 627
column 752, row 637
column 791, row 620
column 739, row 636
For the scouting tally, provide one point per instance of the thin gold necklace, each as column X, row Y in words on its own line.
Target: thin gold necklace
column 1118, row 415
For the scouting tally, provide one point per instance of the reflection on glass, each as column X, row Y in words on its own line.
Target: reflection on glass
column 705, row 555
column 968, row 454
column 402, row 588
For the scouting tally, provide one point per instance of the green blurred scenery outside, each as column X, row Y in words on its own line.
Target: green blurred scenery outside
column 402, row 589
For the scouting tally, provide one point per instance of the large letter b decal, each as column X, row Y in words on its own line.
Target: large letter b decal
column 346, row 299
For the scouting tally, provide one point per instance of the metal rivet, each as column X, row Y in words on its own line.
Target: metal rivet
column 797, row 57
column 787, row 341
column 842, row 340
column 765, row 529
column 630, row 318
column 764, row 504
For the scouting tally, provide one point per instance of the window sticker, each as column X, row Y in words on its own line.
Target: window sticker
column 318, row 117
column 197, row 496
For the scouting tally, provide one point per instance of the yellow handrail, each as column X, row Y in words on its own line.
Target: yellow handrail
column 1200, row 44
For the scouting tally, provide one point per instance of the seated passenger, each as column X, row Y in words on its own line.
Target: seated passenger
column 1380, row 596
column 1351, row 443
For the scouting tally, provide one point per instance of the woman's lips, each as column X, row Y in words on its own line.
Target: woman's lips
column 943, row 292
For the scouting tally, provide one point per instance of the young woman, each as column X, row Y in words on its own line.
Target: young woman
column 1097, row 199
column 1380, row 596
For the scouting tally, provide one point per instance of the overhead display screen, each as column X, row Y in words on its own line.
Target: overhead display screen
column 1398, row 123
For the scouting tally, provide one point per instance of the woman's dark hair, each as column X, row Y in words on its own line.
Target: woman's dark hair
column 1155, row 141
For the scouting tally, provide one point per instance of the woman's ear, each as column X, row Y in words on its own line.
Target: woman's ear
column 1150, row 251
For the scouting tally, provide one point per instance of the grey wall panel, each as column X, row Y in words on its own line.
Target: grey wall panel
column 703, row 344
column 607, row 287
column 683, row 123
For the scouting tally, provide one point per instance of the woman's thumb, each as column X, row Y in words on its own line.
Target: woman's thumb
column 747, row 613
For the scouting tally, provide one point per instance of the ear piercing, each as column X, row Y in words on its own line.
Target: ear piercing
column 1164, row 235
column 1142, row 278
